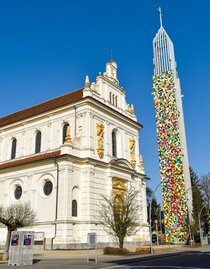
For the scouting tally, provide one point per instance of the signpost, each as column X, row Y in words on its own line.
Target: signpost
column 21, row 248
column 39, row 239
column 91, row 244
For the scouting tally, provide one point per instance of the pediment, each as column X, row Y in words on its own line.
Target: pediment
column 119, row 185
column 122, row 162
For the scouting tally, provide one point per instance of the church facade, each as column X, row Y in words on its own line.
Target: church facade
column 62, row 155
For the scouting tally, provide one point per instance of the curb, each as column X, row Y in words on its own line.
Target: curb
column 145, row 258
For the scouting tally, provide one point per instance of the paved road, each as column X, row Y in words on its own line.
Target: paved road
column 184, row 260
column 188, row 259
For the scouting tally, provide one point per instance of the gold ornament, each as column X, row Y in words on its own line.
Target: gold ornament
column 100, row 135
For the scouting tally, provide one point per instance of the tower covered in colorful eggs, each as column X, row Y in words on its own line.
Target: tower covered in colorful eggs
column 172, row 147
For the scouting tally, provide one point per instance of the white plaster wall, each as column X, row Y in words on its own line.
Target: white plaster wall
column 89, row 181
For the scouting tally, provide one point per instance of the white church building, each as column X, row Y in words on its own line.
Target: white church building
column 62, row 155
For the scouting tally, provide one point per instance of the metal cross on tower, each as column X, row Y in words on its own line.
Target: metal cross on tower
column 161, row 15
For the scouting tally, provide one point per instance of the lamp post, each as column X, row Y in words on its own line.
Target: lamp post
column 189, row 225
column 156, row 228
column 189, row 217
column 199, row 219
column 150, row 217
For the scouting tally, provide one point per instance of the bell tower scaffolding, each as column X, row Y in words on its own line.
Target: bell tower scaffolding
column 171, row 138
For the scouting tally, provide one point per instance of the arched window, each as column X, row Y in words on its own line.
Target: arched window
column 114, row 144
column 38, row 142
column 110, row 97
column 74, row 208
column 116, row 100
column 13, row 149
column 65, row 127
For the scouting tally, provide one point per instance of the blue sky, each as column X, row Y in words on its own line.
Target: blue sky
column 47, row 47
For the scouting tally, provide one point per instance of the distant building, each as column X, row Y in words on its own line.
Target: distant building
column 63, row 154
column 172, row 146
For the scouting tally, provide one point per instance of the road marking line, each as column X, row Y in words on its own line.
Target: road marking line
column 198, row 254
column 151, row 266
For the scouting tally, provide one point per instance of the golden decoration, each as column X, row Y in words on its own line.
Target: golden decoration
column 68, row 136
column 118, row 190
column 132, row 145
column 100, row 135
column 141, row 163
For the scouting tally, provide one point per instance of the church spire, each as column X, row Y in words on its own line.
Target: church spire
column 164, row 58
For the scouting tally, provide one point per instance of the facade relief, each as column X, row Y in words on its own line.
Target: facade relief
column 141, row 163
column 68, row 135
column 49, row 123
column 118, row 190
column 132, row 146
column 100, row 136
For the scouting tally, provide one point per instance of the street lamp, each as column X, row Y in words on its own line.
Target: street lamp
column 150, row 217
column 156, row 228
column 189, row 217
column 199, row 219
column 188, row 198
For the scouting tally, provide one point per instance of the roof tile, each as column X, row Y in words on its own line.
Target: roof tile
column 49, row 105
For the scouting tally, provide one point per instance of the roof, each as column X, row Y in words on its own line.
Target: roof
column 30, row 159
column 49, row 105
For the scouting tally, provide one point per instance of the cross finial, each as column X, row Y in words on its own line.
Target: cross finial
column 161, row 15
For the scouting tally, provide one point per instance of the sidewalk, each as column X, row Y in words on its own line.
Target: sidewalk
column 77, row 259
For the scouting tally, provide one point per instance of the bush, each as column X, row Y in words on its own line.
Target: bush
column 116, row 251
column 143, row 250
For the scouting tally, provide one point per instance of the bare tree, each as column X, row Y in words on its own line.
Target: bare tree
column 149, row 194
column 155, row 207
column 120, row 215
column 13, row 217
column 205, row 188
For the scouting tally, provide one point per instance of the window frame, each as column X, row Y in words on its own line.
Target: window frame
column 38, row 142
column 114, row 144
column 65, row 127
column 18, row 193
column 45, row 190
column 74, row 208
column 13, row 148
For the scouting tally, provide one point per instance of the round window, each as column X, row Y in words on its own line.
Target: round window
column 48, row 186
column 18, row 192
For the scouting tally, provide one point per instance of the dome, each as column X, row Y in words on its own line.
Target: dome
column 112, row 62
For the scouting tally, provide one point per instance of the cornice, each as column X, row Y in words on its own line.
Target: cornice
column 113, row 164
column 29, row 159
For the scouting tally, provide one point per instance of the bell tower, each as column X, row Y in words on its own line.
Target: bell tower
column 171, row 138
column 111, row 70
